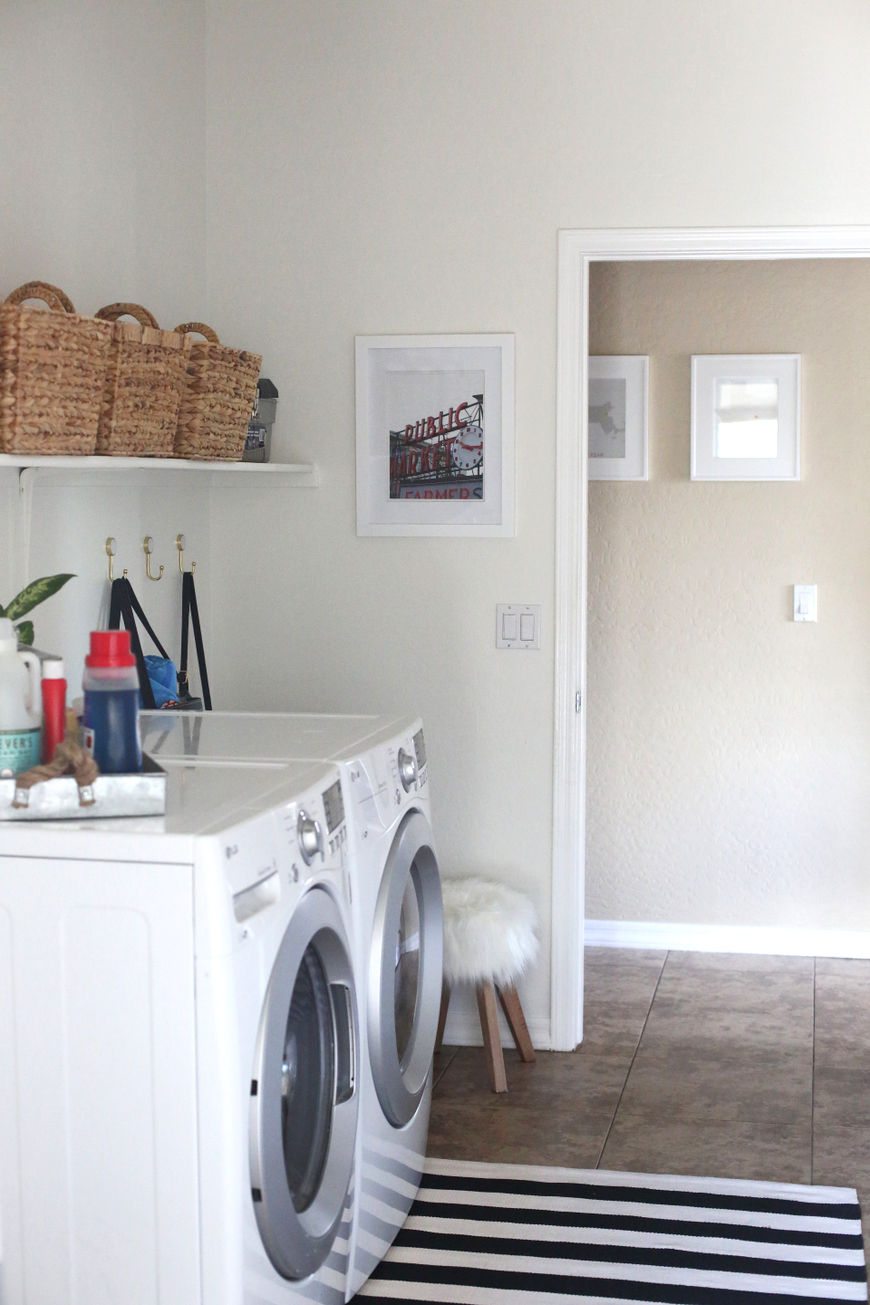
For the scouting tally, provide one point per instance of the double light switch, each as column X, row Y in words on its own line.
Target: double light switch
column 518, row 625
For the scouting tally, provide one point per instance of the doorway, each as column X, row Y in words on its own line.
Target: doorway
column 577, row 251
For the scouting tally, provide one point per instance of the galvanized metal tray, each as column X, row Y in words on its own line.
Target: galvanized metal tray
column 114, row 795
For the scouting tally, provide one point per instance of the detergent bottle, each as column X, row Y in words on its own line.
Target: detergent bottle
column 111, row 721
column 20, row 711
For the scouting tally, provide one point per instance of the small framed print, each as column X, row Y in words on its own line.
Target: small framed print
column 618, row 404
column 435, row 435
column 746, row 416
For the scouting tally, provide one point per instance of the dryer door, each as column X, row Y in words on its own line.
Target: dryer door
column 405, row 971
column 304, row 1102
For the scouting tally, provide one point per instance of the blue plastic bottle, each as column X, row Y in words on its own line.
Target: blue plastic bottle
column 111, row 718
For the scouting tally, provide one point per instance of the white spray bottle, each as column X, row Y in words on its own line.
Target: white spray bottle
column 20, row 709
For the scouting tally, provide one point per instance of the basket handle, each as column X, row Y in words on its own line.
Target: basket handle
column 49, row 294
column 112, row 312
column 198, row 328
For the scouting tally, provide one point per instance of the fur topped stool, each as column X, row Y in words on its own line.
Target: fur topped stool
column 489, row 939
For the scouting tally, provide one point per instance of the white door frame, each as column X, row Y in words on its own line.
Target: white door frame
column 577, row 249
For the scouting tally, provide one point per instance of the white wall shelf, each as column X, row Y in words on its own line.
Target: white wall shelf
column 24, row 473
column 301, row 475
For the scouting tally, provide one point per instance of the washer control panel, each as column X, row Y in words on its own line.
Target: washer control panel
column 408, row 771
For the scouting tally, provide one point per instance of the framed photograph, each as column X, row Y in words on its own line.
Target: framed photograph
column 435, row 435
column 618, row 402
column 746, row 416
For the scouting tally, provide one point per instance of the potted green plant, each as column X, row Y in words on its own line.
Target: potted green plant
column 31, row 596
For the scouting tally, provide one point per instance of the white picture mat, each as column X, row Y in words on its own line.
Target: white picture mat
column 707, row 369
column 633, row 369
column 379, row 356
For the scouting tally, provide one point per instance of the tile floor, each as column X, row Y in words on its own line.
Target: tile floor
column 733, row 1066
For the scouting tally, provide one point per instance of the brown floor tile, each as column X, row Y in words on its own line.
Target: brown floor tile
column 853, row 972
column 739, row 963
column 843, row 1013
column 694, row 1087
column 774, row 1152
column 723, row 1082
column 440, row 1062
column 619, row 986
column 516, row 1133
column 841, row 1095
column 841, row 1157
column 721, row 1010
column 563, row 1083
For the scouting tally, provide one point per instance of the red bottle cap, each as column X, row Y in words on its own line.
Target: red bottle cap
column 110, row 648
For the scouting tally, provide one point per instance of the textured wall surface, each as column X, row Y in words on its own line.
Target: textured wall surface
column 326, row 169
column 385, row 167
column 729, row 747
column 102, row 160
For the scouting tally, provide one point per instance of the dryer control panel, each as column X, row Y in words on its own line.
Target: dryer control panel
column 382, row 782
column 314, row 832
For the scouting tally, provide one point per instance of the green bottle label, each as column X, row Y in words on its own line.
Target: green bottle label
column 19, row 750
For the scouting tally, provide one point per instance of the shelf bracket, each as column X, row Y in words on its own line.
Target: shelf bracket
column 23, row 522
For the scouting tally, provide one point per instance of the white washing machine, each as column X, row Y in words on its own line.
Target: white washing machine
column 396, row 902
column 179, row 1084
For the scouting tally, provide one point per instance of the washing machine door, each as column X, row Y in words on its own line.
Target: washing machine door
column 405, row 970
column 304, row 1099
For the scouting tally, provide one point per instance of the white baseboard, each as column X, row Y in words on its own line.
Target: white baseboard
column 851, row 944
column 466, row 1032
column 463, row 1024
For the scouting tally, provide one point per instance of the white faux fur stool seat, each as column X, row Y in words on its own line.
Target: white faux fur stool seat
column 489, row 939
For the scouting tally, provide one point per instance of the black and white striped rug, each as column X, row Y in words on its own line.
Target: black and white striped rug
column 491, row 1234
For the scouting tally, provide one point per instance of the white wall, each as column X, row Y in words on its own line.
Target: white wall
column 102, row 191
column 388, row 167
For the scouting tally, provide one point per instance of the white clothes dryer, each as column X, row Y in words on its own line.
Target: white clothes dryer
column 396, row 906
column 179, row 1089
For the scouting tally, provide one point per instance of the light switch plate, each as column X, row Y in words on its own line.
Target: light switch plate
column 805, row 603
column 518, row 625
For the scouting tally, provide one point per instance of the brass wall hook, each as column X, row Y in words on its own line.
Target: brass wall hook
column 181, row 544
column 111, row 549
column 148, row 545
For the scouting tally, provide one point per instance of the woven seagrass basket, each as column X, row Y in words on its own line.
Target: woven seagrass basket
column 145, row 381
column 52, row 369
column 216, row 408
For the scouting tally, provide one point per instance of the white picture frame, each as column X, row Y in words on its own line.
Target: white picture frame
column 618, row 437
column 435, row 435
column 715, row 374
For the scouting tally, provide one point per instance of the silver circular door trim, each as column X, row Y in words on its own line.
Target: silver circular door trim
column 400, row 1085
column 297, row 1243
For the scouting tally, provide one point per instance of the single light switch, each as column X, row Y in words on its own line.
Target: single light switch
column 518, row 625
column 805, row 603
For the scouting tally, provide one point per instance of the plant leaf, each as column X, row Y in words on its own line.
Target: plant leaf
column 2, row 612
column 24, row 630
column 35, row 593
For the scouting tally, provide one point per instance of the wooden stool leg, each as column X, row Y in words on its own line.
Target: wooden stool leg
column 442, row 1017
column 491, row 1036
column 510, row 1002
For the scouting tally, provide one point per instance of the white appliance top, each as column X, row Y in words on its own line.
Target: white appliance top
column 201, row 799
column 224, row 736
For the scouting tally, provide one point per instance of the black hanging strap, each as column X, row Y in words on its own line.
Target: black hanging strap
column 122, row 606
column 190, row 613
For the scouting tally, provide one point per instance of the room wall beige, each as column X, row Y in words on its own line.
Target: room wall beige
column 728, row 746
